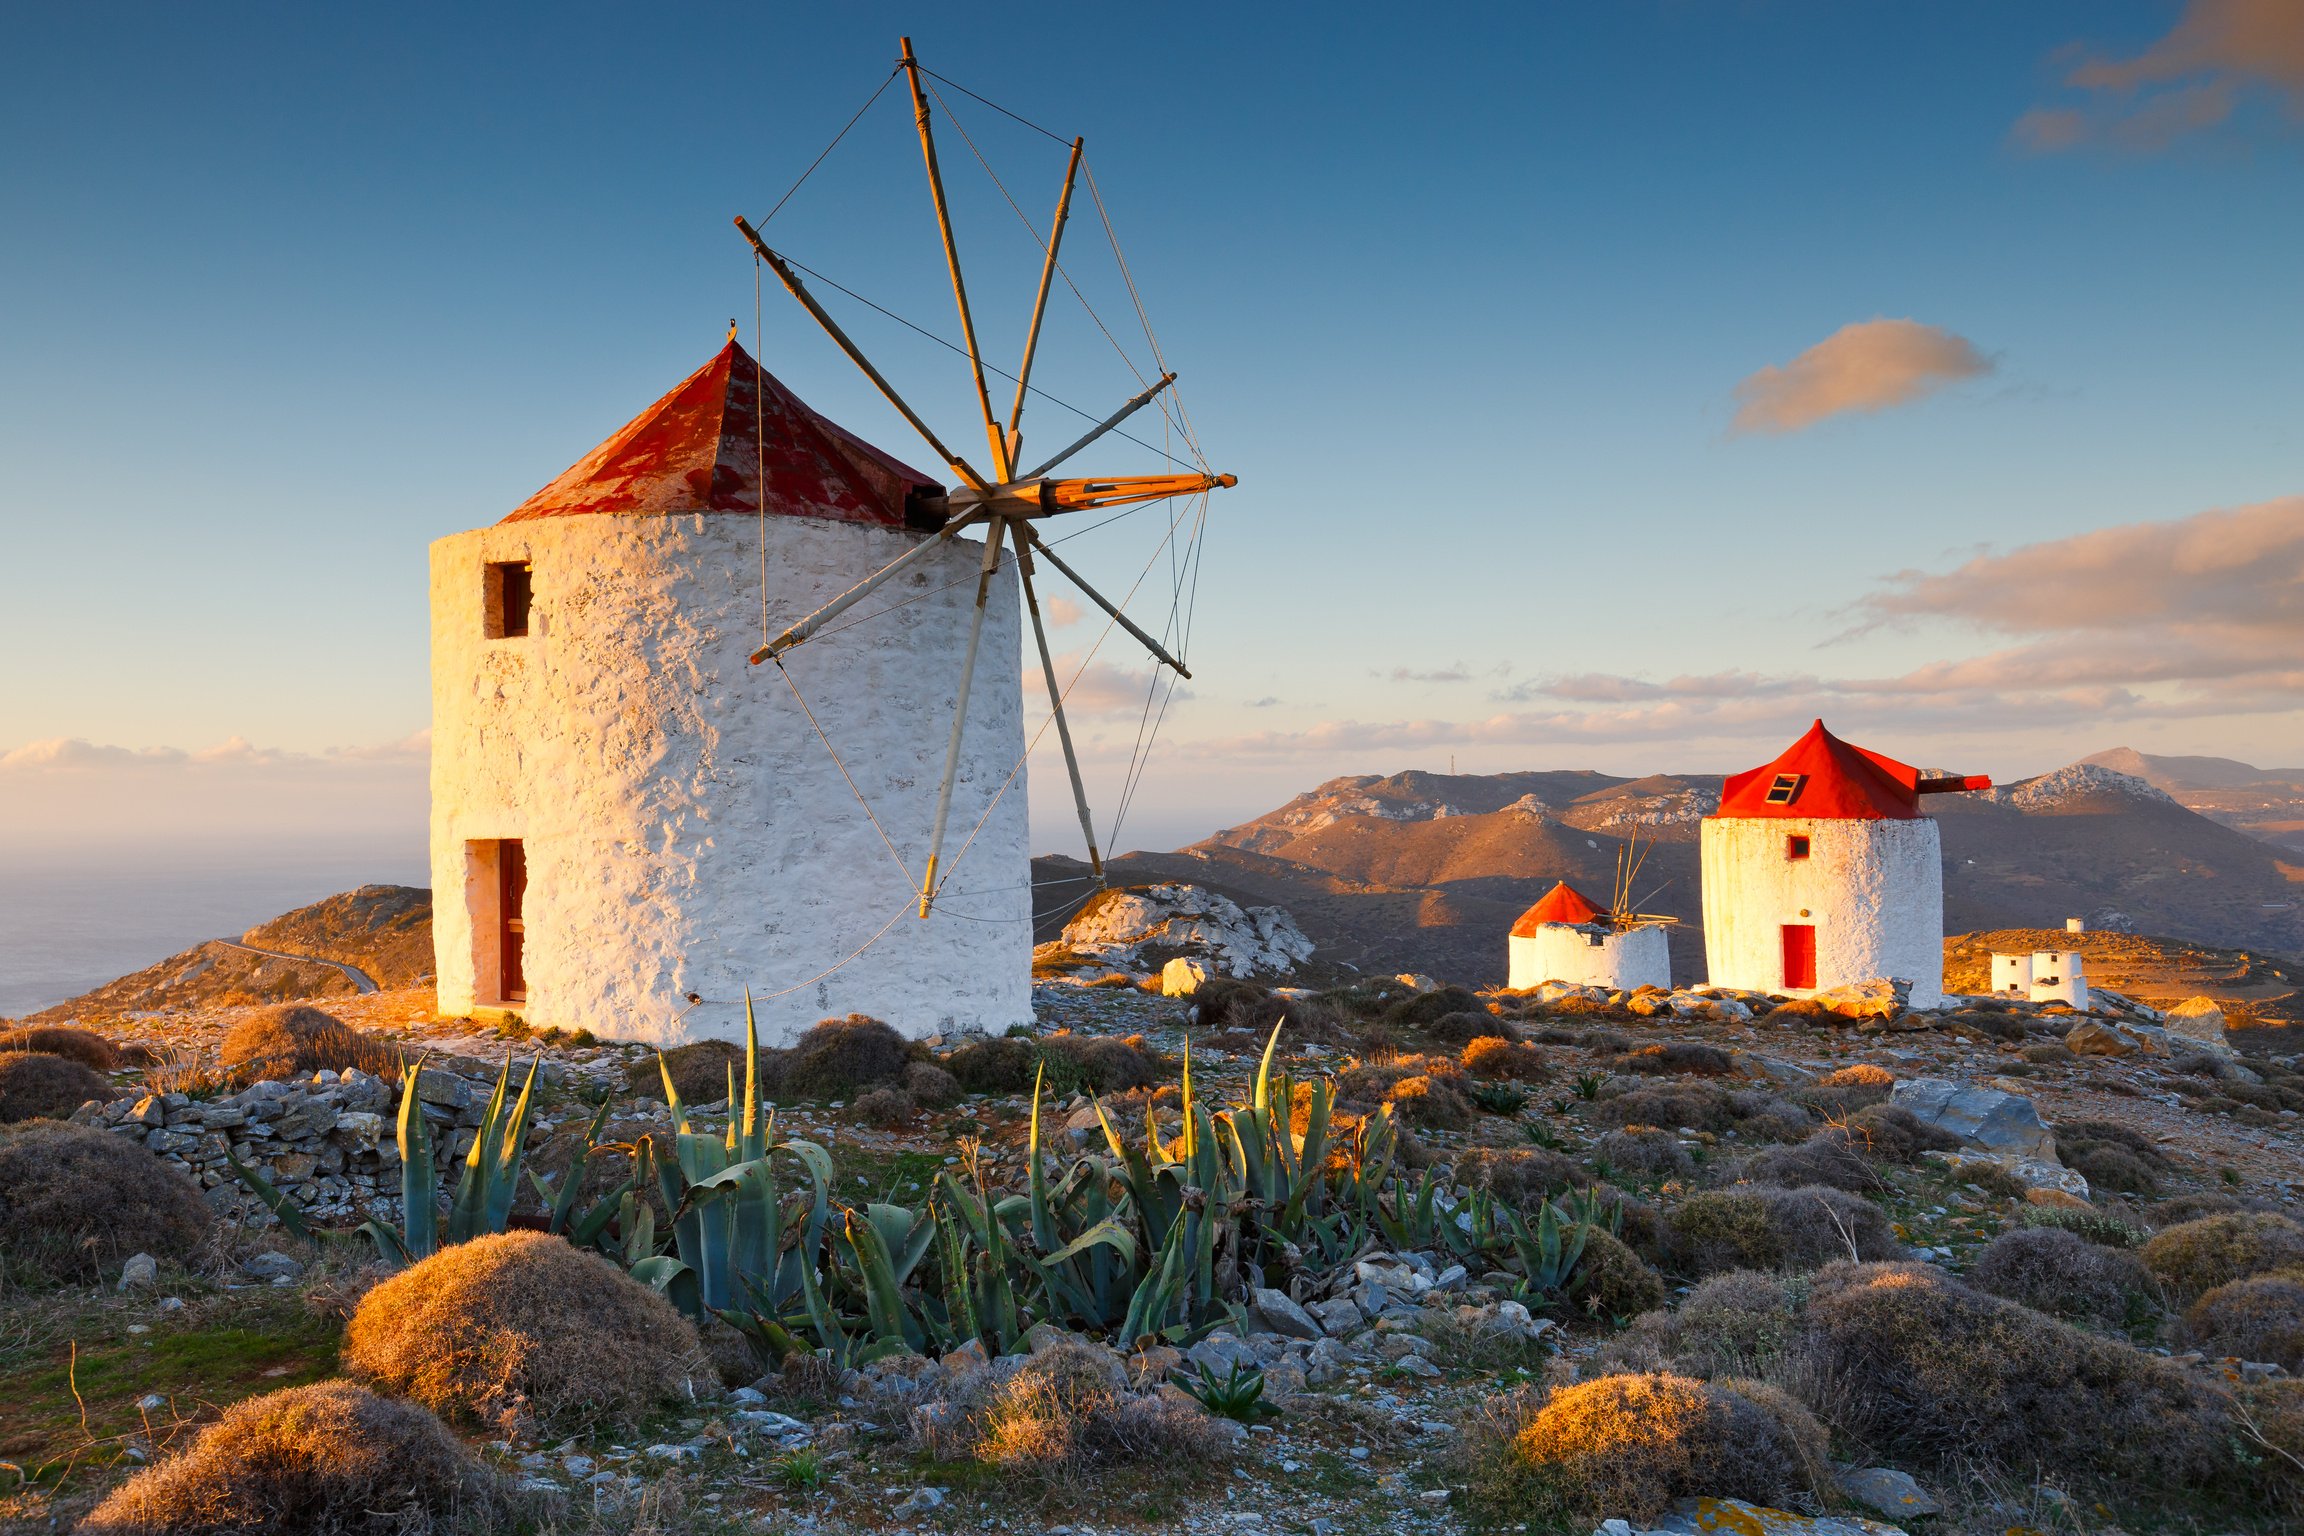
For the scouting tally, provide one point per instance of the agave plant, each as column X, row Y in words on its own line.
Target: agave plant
column 1238, row 1396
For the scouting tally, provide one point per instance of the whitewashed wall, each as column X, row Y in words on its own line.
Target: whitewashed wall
column 1624, row 957
column 1873, row 889
column 684, row 827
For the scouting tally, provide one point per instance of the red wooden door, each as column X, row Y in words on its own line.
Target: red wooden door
column 511, row 890
column 1799, row 954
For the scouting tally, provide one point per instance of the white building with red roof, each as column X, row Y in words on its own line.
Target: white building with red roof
column 631, row 824
column 1567, row 936
column 1820, row 870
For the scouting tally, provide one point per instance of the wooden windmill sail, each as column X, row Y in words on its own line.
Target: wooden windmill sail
column 1008, row 501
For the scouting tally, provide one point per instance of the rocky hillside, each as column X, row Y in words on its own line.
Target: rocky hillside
column 2263, row 802
column 1425, row 872
column 383, row 933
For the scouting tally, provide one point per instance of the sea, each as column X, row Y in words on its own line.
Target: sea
column 73, row 920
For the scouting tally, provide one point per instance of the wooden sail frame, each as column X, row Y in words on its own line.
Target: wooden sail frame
column 1005, row 503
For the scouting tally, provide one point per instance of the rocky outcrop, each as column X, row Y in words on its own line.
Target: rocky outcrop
column 1983, row 1118
column 1145, row 928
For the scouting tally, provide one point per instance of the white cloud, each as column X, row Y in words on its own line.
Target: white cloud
column 1868, row 366
column 2219, row 54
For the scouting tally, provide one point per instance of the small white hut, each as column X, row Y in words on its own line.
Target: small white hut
column 1566, row 936
column 2042, row 976
column 630, row 824
column 1819, row 870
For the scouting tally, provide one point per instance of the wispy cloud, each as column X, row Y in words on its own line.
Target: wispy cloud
column 2219, row 54
column 1062, row 612
column 1456, row 673
column 1103, row 689
column 1871, row 365
column 2193, row 617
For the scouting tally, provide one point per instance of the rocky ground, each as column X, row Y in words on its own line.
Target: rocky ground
column 1366, row 1440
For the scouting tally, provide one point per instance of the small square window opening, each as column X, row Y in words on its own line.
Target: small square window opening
column 1795, row 847
column 1786, row 788
column 506, row 598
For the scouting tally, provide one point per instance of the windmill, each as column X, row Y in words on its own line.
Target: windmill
column 1008, row 502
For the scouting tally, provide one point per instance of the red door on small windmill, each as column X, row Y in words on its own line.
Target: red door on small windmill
column 1799, row 955
column 511, row 890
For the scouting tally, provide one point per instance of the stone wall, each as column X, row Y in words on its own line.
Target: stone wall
column 327, row 1141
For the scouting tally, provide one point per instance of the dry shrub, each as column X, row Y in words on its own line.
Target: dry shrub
column 1002, row 1064
column 1492, row 1057
column 2183, row 1208
column 84, row 1046
column 1464, row 1028
column 1737, row 1323
column 1062, row 1416
column 700, row 1071
column 1767, row 1228
column 75, row 1202
column 330, row 1459
column 1431, row 1101
column 1763, row 1116
column 2269, row 1417
column 1627, row 1446
column 2111, row 1156
column 1630, row 1218
column 2048, row 1055
column 37, row 1086
column 2199, row 1256
column 1683, row 1058
column 1828, row 1157
column 1692, row 1106
column 1644, row 1149
column 1224, row 1003
column 2056, row 1271
column 2259, row 1318
column 1517, row 1176
column 839, row 1058
column 1862, row 1074
column 293, row 1040
column 1895, row 1134
column 1803, row 1010
column 521, row 1327
column 1099, row 1063
column 931, row 1086
column 1936, row 1371
column 1612, row 1281
column 884, row 1107
column 1421, row 1010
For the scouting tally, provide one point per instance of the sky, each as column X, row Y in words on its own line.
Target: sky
column 1609, row 386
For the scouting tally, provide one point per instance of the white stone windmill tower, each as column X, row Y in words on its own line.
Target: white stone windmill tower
column 629, row 831
column 1820, row 870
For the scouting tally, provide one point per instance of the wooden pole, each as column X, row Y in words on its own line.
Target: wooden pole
column 1107, row 424
column 1000, row 461
column 808, row 626
column 1040, row 304
column 960, row 713
column 792, row 283
column 1026, row 532
column 1056, row 707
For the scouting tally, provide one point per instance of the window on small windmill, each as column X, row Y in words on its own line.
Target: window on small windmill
column 1795, row 847
column 1786, row 788
column 505, row 599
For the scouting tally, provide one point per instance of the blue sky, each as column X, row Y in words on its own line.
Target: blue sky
column 1465, row 296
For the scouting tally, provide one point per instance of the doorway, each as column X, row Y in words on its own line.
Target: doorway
column 511, row 929
column 1799, row 955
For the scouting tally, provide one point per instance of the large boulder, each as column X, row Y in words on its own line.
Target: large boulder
column 1880, row 998
column 2200, row 1021
column 1984, row 1118
column 1148, row 926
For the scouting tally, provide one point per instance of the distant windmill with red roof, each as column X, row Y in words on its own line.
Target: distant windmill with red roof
column 631, row 827
column 1820, row 870
column 1568, row 937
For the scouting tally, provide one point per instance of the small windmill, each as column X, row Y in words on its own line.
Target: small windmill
column 1007, row 502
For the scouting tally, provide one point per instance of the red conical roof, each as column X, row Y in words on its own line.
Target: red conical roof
column 1561, row 904
column 1822, row 776
column 704, row 448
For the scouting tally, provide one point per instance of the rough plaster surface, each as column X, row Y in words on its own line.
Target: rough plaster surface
column 1624, row 958
column 685, row 829
column 1873, row 889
